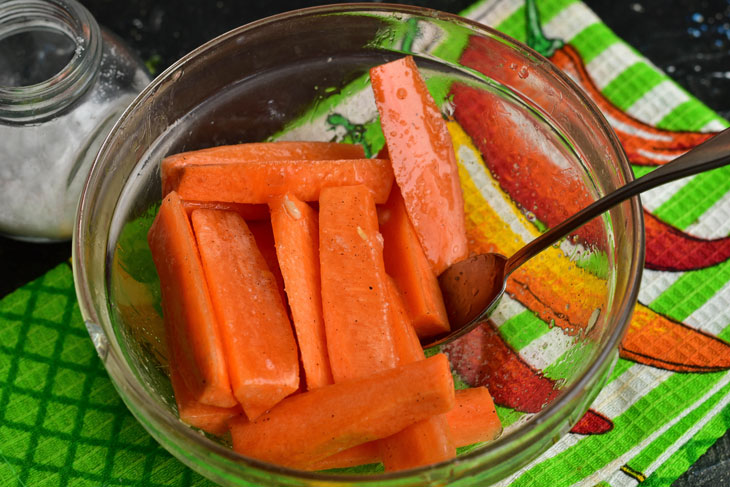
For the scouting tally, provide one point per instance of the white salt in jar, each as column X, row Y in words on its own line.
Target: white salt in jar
column 64, row 81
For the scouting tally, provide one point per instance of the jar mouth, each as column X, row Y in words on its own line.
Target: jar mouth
column 41, row 100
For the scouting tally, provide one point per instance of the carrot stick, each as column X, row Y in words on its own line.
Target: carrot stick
column 408, row 265
column 212, row 419
column 192, row 332
column 296, row 233
column 259, row 181
column 248, row 212
column 473, row 419
column 354, row 286
column 427, row 441
column 258, row 151
column 259, row 345
column 308, row 427
column 264, row 236
column 423, row 160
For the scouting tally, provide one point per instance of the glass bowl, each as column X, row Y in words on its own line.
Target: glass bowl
column 303, row 75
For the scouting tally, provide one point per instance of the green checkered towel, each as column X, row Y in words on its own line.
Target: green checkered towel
column 63, row 423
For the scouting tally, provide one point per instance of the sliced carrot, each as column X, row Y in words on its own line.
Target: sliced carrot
column 258, row 151
column 427, row 441
column 296, row 233
column 212, row 419
column 259, row 344
column 423, row 160
column 264, row 236
column 474, row 418
column 354, row 284
column 248, row 212
column 192, row 332
column 308, row 427
column 259, row 181
column 406, row 262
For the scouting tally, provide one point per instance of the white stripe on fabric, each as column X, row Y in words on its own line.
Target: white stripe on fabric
column 570, row 22
column 715, row 125
column 620, row 479
column 493, row 13
column 714, row 315
column 653, row 199
column 714, row 223
column 654, row 283
column 506, row 309
column 633, row 130
column 658, row 102
column 547, row 349
column 613, row 61
column 623, row 392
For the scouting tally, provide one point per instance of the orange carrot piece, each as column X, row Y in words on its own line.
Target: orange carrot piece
column 296, row 233
column 408, row 265
column 259, row 181
column 423, row 159
column 259, row 344
column 264, row 236
column 354, row 284
column 192, row 332
column 212, row 419
column 248, row 212
column 308, row 427
column 427, row 441
column 474, row 418
column 257, row 151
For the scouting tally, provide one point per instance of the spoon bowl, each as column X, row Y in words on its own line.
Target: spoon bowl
column 472, row 288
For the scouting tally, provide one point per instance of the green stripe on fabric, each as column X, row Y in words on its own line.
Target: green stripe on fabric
column 514, row 25
column 523, row 328
column 633, row 83
column 507, row 416
column 688, row 454
column 695, row 198
column 690, row 115
column 640, row 171
column 593, row 40
column 653, row 451
column 691, row 291
column 592, row 453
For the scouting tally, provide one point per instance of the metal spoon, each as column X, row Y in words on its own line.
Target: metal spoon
column 473, row 287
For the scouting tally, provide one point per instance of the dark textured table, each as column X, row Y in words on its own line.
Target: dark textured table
column 688, row 39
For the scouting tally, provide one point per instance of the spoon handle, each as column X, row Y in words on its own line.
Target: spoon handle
column 711, row 154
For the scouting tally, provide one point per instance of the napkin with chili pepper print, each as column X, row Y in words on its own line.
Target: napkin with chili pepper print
column 62, row 423
column 666, row 400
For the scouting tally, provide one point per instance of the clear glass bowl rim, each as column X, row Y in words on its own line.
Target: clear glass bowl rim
column 157, row 418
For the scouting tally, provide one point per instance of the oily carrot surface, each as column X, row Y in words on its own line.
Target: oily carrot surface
column 308, row 427
column 427, row 441
column 259, row 181
column 423, row 160
column 406, row 262
column 296, row 233
column 473, row 419
column 259, row 344
column 192, row 332
column 264, row 236
column 248, row 212
column 257, row 151
column 354, row 284
column 212, row 419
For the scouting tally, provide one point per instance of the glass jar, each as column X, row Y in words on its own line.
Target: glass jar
column 64, row 81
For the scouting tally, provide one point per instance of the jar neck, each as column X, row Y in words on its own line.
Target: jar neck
column 42, row 100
